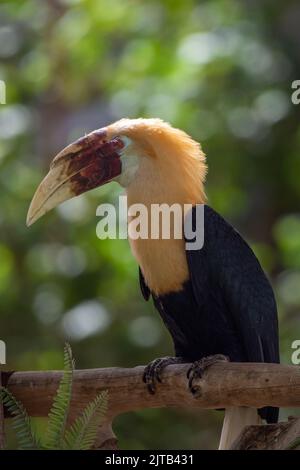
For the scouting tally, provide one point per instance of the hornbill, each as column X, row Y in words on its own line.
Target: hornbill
column 215, row 301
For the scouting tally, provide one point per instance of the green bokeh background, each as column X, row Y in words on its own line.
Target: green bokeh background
column 222, row 70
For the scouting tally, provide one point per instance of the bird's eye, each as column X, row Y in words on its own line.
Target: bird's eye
column 124, row 139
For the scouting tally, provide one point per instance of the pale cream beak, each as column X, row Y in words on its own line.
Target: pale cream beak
column 89, row 162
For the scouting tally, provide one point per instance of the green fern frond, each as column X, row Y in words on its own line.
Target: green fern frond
column 21, row 422
column 81, row 435
column 83, row 432
column 58, row 414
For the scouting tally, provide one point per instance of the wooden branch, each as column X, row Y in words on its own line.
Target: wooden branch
column 281, row 436
column 223, row 385
column 2, row 432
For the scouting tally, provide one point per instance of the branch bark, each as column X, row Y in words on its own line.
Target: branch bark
column 281, row 436
column 2, row 432
column 223, row 385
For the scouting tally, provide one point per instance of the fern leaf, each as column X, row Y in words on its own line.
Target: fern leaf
column 21, row 422
column 83, row 432
column 58, row 414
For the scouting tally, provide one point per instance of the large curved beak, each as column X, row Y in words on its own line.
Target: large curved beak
column 89, row 162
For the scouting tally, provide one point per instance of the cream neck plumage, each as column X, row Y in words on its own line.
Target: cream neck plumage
column 171, row 170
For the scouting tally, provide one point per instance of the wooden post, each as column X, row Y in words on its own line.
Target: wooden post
column 223, row 385
column 281, row 436
column 2, row 432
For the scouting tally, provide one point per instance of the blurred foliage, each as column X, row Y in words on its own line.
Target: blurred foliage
column 222, row 70
column 80, row 435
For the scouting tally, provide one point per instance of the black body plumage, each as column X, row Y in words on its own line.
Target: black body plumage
column 226, row 307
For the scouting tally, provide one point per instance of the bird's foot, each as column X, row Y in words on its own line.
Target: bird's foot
column 152, row 372
column 198, row 368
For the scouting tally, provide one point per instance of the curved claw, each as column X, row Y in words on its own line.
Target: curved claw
column 150, row 375
column 189, row 371
column 152, row 372
column 198, row 368
column 191, row 388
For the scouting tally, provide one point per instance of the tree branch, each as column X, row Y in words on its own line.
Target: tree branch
column 2, row 433
column 281, row 436
column 223, row 385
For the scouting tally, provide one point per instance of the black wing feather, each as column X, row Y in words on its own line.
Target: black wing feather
column 248, row 298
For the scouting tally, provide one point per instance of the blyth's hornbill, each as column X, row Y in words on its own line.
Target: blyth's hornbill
column 215, row 301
